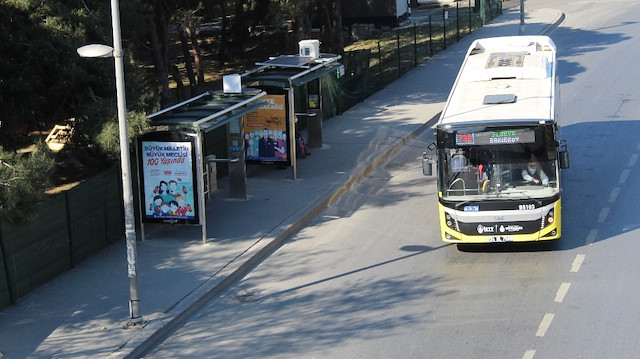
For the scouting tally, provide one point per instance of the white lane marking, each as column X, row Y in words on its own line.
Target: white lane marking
column 633, row 160
column 603, row 214
column 544, row 325
column 592, row 236
column 623, row 176
column 529, row 354
column 614, row 194
column 575, row 266
column 562, row 291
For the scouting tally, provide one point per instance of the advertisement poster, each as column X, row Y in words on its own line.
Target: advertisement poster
column 265, row 131
column 168, row 180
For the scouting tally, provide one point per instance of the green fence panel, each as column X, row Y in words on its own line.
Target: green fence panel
column 37, row 251
column 5, row 293
column 95, row 214
column 64, row 230
column 342, row 93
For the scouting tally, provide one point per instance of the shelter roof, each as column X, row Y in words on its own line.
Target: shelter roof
column 209, row 110
column 295, row 69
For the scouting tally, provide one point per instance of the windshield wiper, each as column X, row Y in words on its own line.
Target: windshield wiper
column 459, row 204
column 537, row 201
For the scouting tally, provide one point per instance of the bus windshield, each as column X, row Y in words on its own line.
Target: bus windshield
column 484, row 163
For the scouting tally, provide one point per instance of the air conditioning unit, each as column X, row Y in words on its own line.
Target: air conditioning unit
column 231, row 83
column 309, row 48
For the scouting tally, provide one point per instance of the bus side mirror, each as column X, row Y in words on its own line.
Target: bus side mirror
column 427, row 165
column 563, row 155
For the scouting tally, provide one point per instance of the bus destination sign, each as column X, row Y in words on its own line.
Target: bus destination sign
column 498, row 137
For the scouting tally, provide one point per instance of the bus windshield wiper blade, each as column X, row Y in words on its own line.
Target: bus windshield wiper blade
column 539, row 202
column 459, row 204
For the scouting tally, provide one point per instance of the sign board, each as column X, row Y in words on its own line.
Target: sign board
column 167, row 174
column 503, row 137
column 265, row 131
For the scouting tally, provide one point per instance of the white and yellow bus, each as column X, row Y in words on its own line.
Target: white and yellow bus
column 497, row 151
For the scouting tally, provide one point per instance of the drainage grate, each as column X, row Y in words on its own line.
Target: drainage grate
column 245, row 298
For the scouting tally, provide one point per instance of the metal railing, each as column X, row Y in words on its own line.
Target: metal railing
column 396, row 52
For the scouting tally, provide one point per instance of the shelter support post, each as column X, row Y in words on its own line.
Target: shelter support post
column 292, row 132
column 314, row 122
column 200, row 184
column 237, row 168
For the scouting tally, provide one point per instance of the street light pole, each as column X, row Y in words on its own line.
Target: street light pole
column 135, row 318
column 98, row 50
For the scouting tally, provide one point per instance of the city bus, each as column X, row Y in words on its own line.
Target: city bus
column 497, row 149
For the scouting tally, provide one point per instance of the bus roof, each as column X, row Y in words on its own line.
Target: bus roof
column 506, row 80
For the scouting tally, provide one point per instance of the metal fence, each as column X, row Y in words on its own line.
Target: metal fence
column 65, row 230
column 393, row 53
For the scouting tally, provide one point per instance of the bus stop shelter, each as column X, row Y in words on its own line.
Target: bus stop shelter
column 286, row 72
column 173, row 163
column 173, row 154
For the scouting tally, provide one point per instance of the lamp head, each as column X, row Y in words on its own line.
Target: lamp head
column 95, row 50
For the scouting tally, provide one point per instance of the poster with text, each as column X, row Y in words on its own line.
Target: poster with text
column 168, row 181
column 265, row 131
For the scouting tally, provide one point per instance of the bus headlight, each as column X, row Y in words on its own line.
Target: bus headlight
column 450, row 222
column 548, row 219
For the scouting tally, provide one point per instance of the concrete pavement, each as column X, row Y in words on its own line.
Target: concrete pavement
column 81, row 313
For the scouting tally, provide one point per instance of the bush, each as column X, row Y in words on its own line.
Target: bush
column 23, row 179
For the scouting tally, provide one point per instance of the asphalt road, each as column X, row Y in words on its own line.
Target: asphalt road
column 370, row 278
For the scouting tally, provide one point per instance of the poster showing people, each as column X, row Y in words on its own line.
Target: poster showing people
column 265, row 131
column 168, row 181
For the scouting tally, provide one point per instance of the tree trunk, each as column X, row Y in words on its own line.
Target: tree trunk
column 222, row 52
column 337, row 27
column 197, row 54
column 187, row 62
column 326, row 31
column 302, row 27
column 239, row 29
column 159, row 31
column 332, row 26
column 175, row 73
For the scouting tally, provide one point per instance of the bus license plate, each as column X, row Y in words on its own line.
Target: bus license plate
column 500, row 239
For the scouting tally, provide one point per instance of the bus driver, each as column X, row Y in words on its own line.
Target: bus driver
column 534, row 174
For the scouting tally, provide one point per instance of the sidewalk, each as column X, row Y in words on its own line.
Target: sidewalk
column 81, row 314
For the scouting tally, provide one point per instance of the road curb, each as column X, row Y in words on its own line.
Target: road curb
column 261, row 249
column 554, row 24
